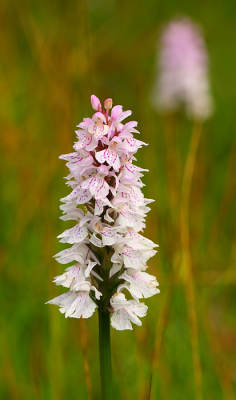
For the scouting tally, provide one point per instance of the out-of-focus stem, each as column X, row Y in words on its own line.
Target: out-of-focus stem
column 105, row 354
column 186, row 254
column 186, row 185
column 173, row 167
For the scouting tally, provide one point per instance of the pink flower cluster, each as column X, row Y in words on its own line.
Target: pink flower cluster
column 183, row 70
column 109, row 253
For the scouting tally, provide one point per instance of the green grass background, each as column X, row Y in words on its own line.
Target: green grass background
column 54, row 55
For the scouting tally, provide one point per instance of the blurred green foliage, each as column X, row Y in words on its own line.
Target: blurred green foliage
column 54, row 55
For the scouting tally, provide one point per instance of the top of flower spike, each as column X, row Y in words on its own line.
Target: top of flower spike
column 111, row 139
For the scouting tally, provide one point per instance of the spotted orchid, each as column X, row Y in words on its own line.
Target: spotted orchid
column 107, row 249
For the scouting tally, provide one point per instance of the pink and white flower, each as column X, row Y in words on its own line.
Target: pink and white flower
column 97, row 184
column 74, row 235
column 110, row 156
column 139, row 283
column 125, row 312
column 76, row 304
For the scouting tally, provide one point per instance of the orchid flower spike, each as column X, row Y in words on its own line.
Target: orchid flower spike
column 108, row 253
column 183, row 71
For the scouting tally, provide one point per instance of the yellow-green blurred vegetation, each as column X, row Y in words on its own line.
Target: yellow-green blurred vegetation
column 54, row 55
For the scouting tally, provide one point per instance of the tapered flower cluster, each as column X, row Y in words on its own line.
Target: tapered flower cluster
column 183, row 71
column 109, row 210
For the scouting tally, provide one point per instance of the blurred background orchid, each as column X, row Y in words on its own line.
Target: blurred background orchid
column 53, row 56
column 182, row 71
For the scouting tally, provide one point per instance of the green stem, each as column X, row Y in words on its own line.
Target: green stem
column 105, row 354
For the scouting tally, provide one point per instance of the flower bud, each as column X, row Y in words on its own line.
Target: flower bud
column 108, row 104
column 95, row 103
